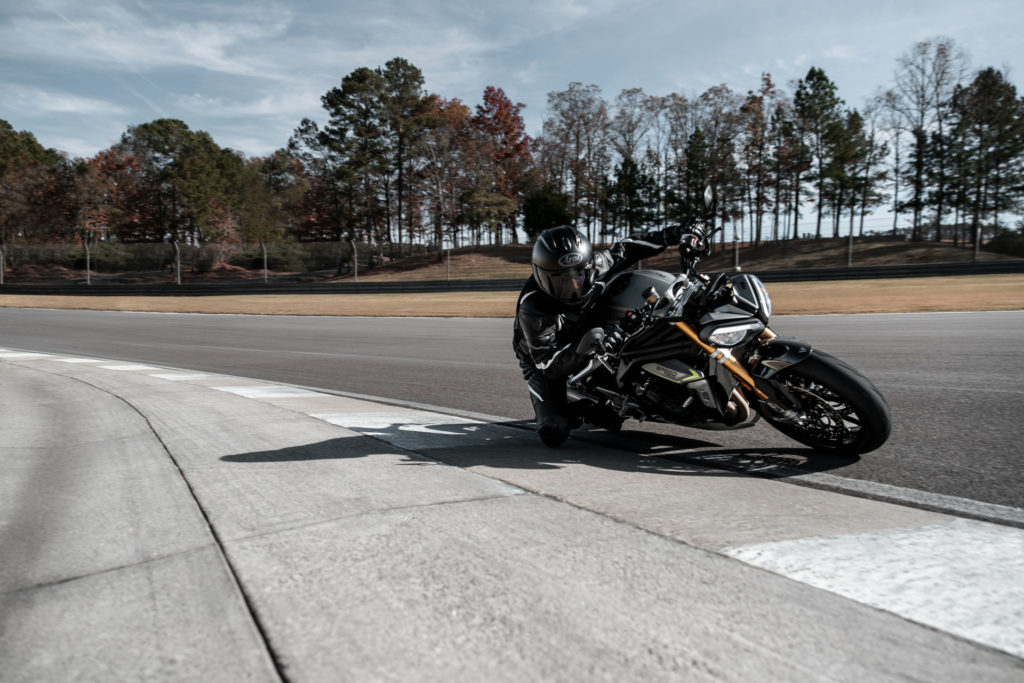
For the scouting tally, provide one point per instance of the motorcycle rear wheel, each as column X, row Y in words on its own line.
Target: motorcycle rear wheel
column 838, row 409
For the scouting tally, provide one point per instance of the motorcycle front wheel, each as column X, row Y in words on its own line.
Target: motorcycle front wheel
column 835, row 408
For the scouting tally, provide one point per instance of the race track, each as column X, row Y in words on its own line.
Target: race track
column 952, row 379
column 221, row 499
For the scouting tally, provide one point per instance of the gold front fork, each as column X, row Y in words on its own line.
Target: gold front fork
column 726, row 358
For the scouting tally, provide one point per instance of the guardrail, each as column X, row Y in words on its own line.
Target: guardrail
column 380, row 287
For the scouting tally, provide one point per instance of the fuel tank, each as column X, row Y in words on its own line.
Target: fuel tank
column 624, row 292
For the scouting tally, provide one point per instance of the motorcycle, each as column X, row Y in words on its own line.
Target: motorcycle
column 697, row 350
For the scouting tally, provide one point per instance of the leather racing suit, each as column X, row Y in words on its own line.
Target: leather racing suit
column 547, row 331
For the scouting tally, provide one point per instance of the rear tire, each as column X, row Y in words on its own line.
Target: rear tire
column 838, row 410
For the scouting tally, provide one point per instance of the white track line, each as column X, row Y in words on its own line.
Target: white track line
column 963, row 577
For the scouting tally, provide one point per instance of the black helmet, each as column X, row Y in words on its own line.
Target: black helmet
column 563, row 264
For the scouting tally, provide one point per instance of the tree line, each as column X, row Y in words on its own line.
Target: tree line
column 393, row 167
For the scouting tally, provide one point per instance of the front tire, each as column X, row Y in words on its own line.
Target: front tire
column 834, row 408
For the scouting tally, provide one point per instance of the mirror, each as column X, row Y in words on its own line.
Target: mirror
column 709, row 197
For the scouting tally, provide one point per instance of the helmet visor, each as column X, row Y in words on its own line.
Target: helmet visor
column 570, row 285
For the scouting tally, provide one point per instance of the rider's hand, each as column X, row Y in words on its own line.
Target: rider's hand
column 591, row 342
column 676, row 234
column 691, row 244
column 597, row 340
column 613, row 338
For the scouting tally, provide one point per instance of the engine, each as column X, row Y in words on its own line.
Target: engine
column 672, row 390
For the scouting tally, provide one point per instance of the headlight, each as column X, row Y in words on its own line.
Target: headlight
column 734, row 335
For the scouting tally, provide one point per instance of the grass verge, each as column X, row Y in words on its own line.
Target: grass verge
column 904, row 295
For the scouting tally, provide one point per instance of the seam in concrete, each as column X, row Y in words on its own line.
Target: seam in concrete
column 383, row 511
column 108, row 570
column 218, row 542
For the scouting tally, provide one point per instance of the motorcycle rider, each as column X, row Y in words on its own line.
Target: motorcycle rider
column 552, row 314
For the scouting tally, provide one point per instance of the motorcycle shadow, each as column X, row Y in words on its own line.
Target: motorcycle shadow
column 514, row 445
column 768, row 461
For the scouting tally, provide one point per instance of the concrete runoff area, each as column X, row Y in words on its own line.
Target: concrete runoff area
column 161, row 524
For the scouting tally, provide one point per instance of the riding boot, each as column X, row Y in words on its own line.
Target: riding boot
column 548, row 408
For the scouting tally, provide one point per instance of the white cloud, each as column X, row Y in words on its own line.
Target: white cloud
column 110, row 35
column 841, row 52
column 251, row 72
column 31, row 99
column 292, row 104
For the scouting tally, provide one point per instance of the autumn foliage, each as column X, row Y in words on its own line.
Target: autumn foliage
column 393, row 167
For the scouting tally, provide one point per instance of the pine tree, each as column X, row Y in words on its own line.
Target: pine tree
column 818, row 107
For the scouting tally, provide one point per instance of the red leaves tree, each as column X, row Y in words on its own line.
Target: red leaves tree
column 443, row 148
column 506, row 146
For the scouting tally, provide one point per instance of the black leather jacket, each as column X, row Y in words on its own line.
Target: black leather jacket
column 546, row 331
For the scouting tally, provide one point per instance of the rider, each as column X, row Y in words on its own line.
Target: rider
column 551, row 316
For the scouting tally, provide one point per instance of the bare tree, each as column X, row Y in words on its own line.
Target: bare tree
column 872, row 175
column 577, row 124
column 628, row 127
column 926, row 77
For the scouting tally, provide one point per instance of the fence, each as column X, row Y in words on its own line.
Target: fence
column 505, row 285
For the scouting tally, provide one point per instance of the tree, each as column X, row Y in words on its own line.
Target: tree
column 500, row 125
column 269, row 192
column 543, row 208
column 577, row 128
column 791, row 158
column 695, row 176
column 926, row 77
column 405, row 105
column 674, row 130
column 872, row 176
column 632, row 197
column 131, row 209
column 443, row 148
column 716, row 115
column 205, row 176
column 634, row 116
column 848, row 148
column 990, row 121
column 90, row 207
column 157, row 146
column 190, row 179
column 755, row 114
column 357, row 133
column 329, row 206
column 25, row 167
column 818, row 107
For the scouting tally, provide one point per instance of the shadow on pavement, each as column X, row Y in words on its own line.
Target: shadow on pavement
column 513, row 445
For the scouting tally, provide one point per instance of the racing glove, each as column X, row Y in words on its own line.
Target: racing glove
column 691, row 244
column 597, row 340
column 613, row 338
column 675, row 234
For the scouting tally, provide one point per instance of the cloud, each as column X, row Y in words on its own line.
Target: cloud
column 111, row 35
column 291, row 104
column 845, row 52
column 37, row 100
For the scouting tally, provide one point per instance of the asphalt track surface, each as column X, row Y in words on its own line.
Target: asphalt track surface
column 952, row 379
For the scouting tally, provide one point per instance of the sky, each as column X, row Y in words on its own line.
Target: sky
column 78, row 73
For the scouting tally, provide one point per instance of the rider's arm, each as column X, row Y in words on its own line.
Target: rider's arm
column 554, row 357
column 628, row 251
column 632, row 249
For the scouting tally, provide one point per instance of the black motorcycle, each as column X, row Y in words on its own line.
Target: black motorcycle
column 696, row 350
